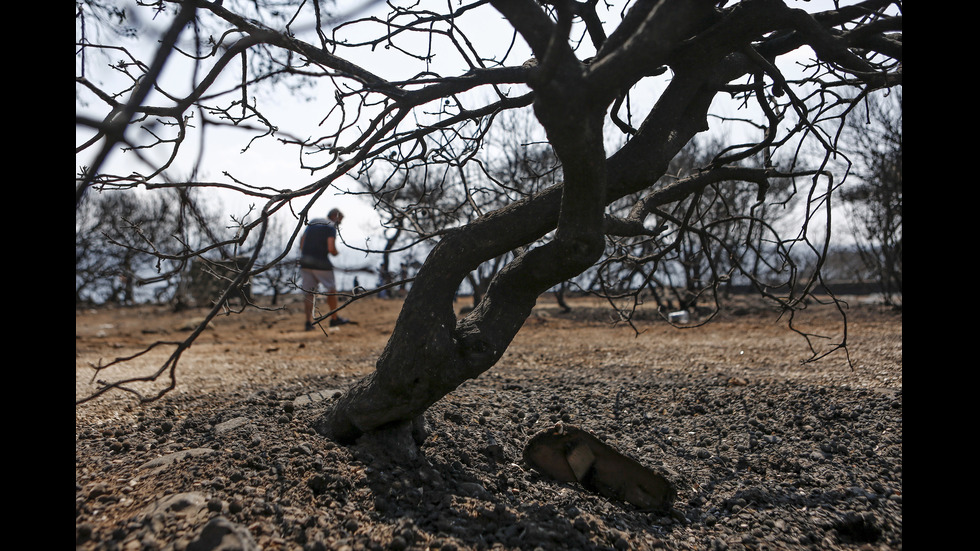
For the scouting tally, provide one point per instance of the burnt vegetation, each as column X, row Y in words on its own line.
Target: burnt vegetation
column 663, row 149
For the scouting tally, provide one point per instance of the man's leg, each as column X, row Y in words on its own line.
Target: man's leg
column 308, row 306
column 331, row 287
column 326, row 278
column 309, row 288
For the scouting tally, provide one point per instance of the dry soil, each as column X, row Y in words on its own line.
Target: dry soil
column 766, row 451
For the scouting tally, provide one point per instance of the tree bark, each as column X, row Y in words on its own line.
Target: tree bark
column 430, row 353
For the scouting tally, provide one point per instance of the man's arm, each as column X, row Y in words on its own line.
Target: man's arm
column 332, row 245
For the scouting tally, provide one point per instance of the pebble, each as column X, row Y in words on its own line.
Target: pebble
column 270, row 483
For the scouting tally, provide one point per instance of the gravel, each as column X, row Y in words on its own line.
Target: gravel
column 757, row 466
column 758, row 463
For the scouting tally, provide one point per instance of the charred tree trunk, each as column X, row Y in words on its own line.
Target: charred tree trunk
column 430, row 353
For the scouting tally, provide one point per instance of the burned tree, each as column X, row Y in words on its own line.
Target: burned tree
column 418, row 202
column 689, row 267
column 650, row 72
column 876, row 136
column 113, row 232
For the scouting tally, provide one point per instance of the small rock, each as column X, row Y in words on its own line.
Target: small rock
column 220, row 534
column 230, row 424
column 169, row 459
column 472, row 489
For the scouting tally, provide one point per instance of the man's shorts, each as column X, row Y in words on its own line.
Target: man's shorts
column 312, row 278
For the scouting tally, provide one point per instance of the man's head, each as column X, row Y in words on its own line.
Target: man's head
column 335, row 216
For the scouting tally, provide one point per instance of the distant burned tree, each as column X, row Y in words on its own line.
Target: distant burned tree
column 651, row 72
column 281, row 277
column 720, row 235
column 420, row 204
column 874, row 141
column 105, row 272
column 125, row 242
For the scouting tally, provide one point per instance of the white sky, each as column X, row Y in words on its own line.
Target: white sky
column 269, row 163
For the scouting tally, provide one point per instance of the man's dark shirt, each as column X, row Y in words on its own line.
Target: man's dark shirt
column 316, row 254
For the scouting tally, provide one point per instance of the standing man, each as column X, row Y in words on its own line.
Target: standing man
column 318, row 244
